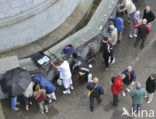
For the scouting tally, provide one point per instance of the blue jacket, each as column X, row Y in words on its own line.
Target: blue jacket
column 133, row 77
column 99, row 90
column 44, row 83
column 118, row 23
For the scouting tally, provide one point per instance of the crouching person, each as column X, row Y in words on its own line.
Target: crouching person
column 95, row 91
column 81, row 67
column 40, row 96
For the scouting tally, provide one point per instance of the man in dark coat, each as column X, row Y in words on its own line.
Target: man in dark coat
column 143, row 30
column 96, row 92
column 129, row 79
column 107, row 52
column 81, row 67
column 151, row 86
column 148, row 14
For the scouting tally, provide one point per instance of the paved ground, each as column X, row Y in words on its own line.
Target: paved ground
column 76, row 105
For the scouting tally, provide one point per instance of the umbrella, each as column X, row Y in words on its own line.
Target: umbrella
column 15, row 81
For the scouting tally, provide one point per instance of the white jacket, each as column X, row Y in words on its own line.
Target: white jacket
column 113, row 36
column 29, row 91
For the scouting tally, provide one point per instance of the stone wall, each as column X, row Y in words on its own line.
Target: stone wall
column 26, row 27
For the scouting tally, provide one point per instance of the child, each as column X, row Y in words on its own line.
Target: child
column 40, row 96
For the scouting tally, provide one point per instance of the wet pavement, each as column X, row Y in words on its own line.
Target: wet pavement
column 76, row 105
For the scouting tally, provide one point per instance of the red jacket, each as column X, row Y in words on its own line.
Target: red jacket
column 137, row 25
column 117, row 85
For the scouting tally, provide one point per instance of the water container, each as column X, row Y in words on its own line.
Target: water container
column 90, row 77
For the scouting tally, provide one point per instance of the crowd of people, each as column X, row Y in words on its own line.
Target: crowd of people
column 44, row 91
column 139, row 28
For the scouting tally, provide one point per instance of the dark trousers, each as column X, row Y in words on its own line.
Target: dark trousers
column 138, row 39
column 106, row 58
column 136, row 107
column 92, row 101
column 83, row 78
column 115, row 100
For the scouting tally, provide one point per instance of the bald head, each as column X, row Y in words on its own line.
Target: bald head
column 129, row 68
column 138, row 85
column 111, row 26
column 95, row 80
column 148, row 8
column 144, row 21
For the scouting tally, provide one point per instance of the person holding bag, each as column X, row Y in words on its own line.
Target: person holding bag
column 95, row 91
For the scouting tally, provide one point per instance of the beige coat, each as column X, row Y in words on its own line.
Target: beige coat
column 114, row 36
column 129, row 6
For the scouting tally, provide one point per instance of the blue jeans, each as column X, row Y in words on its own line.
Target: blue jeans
column 13, row 102
column 136, row 107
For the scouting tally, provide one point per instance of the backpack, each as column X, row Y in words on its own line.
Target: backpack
column 40, row 59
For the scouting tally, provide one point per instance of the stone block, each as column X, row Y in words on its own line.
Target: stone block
column 8, row 63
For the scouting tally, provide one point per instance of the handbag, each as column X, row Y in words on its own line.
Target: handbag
column 90, row 91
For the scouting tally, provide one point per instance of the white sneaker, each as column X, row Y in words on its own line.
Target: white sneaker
column 113, row 61
column 71, row 87
column 127, row 90
column 123, row 93
column 66, row 92
column 135, row 35
column 148, row 102
column 130, row 36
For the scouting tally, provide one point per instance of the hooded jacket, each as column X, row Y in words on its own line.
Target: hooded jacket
column 44, row 83
column 117, row 85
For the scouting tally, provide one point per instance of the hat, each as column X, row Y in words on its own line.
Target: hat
column 105, row 38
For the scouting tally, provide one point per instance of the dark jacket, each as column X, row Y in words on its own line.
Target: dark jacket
column 107, row 49
column 132, row 75
column 80, row 65
column 143, row 31
column 99, row 90
column 149, row 16
column 150, row 85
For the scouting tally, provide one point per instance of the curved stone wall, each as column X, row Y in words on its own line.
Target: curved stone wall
column 25, row 27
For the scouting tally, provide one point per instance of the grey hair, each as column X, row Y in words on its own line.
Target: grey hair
column 138, row 85
column 129, row 68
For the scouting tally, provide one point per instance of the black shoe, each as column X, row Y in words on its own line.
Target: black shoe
column 91, row 109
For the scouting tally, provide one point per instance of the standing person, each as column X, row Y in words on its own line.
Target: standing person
column 14, row 103
column 129, row 79
column 137, row 97
column 133, row 22
column 117, row 87
column 65, row 75
column 27, row 95
column 113, row 35
column 149, row 15
column 118, row 23
column 40, row 96
column 45, row 84
column 81, row 66
column 151, row 86
column 107, row 52
column 129, row 7
column 143, row 30
column 96, row 91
